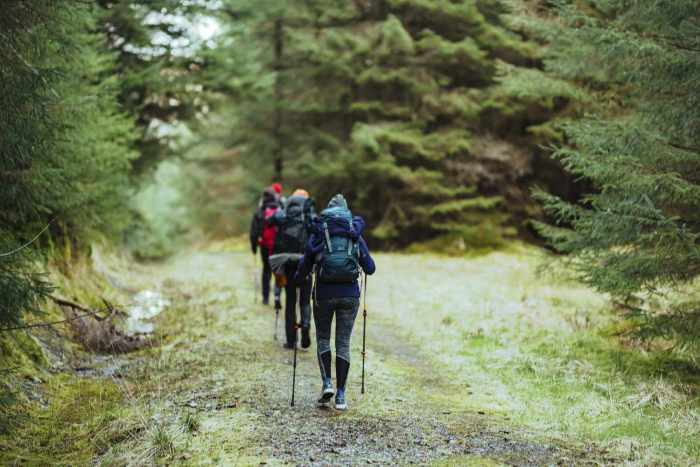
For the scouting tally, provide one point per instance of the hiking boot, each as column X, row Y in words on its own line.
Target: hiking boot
column 326, row 392
column 266, row 301
column 305, row 338
column 342, row 367
column 340, row 403
column 278, row 304
column 288, row 346
column 324, row 361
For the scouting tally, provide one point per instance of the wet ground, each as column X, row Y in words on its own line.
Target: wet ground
column 218, row 364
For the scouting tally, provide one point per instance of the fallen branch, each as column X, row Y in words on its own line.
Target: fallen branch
column 66, row 303
column 43, row 325
column 98, row 335
column 102, row 335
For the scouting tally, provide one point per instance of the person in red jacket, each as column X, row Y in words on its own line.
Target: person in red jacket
column 262, row 234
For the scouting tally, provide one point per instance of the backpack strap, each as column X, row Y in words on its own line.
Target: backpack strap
column 351, row 244
column 328, row 237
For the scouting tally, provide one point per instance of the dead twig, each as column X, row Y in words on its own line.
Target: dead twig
column 66, row 303
column 22, row 247
column 99, row 334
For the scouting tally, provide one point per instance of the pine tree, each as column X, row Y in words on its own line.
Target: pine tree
column 64, row 161
column 250, row 71
column 157, row 66
column 638, row 232
column 426, row 113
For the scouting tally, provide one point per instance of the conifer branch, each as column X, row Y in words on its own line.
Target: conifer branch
column 18, row 249
column 683, row 147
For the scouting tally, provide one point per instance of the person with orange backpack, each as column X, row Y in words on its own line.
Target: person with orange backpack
column 262, row 234
column 294, row 221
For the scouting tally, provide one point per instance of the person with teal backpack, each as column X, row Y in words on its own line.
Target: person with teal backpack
column 338, row 254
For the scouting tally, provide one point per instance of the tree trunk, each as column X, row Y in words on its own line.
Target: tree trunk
column 279, row 45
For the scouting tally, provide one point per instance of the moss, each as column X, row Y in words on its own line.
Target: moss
column 71, row 430
column 21, row 353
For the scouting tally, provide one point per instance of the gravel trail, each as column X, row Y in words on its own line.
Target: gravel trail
column 219, row 362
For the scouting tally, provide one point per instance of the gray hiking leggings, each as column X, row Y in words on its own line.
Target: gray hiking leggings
column 345, row 310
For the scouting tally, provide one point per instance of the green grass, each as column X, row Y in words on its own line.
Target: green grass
column 535, row 350
column 637, row 403
column 191, row 422
column 485, row 343
column 72, row 429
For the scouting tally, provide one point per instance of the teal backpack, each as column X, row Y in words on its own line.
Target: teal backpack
column 339, row 262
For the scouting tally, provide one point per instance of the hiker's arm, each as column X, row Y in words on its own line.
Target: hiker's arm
column 313, row 216
column 306, row 263
column 366, row 260
column 254, row 232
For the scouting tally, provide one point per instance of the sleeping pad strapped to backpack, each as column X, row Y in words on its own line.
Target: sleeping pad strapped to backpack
column 339, row 262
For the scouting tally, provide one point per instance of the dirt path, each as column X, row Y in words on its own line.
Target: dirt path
column 217, row 390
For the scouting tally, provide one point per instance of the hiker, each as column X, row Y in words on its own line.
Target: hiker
column 294, row 223
column 262, row 234
column 338, row 251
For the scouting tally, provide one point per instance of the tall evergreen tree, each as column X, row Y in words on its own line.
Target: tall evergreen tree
column 639, row 231
column 250, row 71
column 64, row 160
column 157, row 62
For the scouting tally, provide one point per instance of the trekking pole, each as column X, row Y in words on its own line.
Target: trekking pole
column 294, row 368
column 364, row 334
column 255, row 278
column 277, row 317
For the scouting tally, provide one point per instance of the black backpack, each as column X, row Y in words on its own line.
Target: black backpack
column 293, row 233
